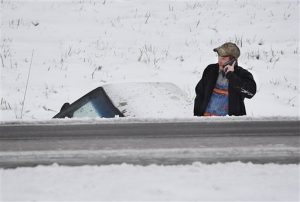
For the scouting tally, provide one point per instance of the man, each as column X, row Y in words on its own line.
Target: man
column 223, row 87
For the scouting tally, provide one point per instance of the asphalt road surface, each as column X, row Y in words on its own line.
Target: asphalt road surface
column 145, row 143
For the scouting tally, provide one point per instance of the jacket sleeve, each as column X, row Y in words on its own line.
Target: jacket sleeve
column 199, row 95
column 242, row 82
column 198, row 98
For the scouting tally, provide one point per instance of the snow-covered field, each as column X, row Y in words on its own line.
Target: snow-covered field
column 66, row 48
column 72, row 47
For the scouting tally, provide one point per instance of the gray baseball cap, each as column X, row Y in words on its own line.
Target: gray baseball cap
column 228, row 49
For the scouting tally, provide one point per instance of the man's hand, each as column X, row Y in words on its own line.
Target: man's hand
column 229, row 68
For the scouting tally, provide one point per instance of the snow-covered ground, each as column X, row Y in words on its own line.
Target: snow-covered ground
column 217, row 182
column 72, row 47
column 66, row 48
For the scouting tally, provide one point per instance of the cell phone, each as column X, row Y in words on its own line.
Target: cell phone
column 230, row 62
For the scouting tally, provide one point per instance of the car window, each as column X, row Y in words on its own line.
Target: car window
column 87, row 110
column 94, row 104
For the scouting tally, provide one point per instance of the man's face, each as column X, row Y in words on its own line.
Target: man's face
column 222, row 60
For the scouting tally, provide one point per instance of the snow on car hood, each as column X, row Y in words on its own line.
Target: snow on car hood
column 150, row 99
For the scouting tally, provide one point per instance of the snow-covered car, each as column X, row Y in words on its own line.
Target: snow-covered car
column 140, row 99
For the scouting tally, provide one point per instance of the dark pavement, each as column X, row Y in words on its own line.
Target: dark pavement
column 145, row 143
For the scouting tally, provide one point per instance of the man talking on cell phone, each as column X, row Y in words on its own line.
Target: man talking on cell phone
column 224, row 86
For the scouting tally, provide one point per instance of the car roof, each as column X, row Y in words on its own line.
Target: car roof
column 149, row 99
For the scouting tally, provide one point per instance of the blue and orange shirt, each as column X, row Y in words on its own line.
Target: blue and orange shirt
column 218, row 103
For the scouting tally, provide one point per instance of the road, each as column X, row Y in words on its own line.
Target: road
column 145, row 143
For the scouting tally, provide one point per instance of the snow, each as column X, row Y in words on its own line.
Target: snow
column 225, row 182
column 71, row 47
column 79, row 45
column 145, row 99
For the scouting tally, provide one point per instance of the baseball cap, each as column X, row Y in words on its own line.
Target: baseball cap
column 228, row 49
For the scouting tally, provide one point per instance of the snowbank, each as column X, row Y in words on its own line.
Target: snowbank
column 196, row 182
